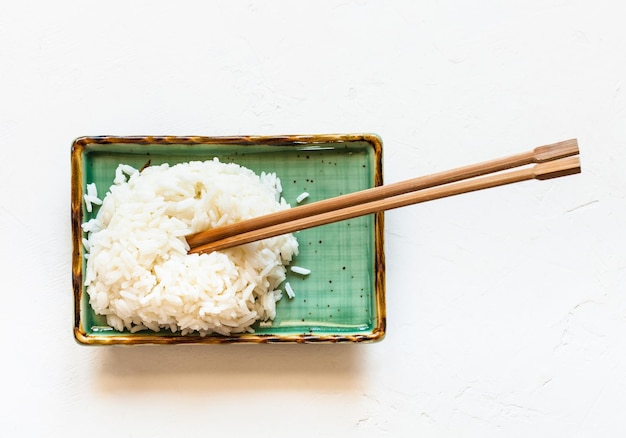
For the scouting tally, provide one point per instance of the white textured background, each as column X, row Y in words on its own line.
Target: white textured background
column 506, row 308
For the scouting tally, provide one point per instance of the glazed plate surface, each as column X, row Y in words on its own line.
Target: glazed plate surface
column 342, row 300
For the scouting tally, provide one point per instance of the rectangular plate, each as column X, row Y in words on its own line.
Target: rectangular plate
column 342, row 300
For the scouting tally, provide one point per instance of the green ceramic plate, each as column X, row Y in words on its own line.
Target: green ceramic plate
column 342, row 300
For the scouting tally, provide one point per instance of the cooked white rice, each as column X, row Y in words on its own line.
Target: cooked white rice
column 91, row 197
column 302, row 196
column 139, row 273
column 300, row 270
column 289, row 290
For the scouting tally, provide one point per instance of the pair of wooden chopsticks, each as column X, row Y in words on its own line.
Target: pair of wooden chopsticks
column 550, row 161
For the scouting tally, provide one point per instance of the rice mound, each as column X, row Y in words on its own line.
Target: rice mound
column 138, row 272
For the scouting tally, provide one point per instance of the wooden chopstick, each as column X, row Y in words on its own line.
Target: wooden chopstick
column 540, row 154
column 552, row 161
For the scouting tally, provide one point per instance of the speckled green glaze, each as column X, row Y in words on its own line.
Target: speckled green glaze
column 342, row 300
